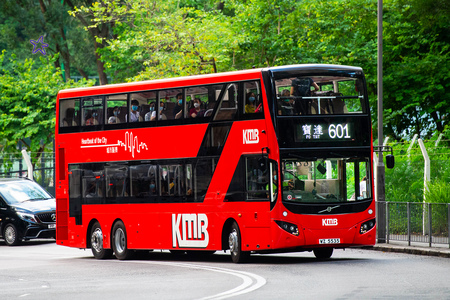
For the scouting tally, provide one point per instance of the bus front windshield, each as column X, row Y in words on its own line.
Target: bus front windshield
column 320, row 95
column 326, row 180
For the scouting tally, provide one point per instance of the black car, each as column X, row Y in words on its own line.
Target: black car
column 27, row 211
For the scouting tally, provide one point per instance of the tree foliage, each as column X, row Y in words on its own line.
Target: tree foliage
column 148, row 39
column 28, row 99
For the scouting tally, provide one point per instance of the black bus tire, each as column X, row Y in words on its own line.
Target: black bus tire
column 96, row 238
column 235, row 245
column 119, row 241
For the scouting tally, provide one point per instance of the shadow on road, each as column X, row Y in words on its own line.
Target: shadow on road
column 30, row 243
column 221, row 257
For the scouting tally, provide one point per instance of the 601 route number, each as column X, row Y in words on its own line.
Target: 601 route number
column 338, row 131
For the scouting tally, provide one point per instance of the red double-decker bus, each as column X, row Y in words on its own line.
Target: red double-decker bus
column 256, row 161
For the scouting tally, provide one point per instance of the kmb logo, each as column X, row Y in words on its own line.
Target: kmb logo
column 193, row 230
column 251, row 136
column 329, row 222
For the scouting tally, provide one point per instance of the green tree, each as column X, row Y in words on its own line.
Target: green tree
column 25, row 20
column 28, row 100
column 417, row 68
column 165, row 39
column 268, row 32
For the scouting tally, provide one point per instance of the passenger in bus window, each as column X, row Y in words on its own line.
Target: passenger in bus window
column 197, row 110
column 116, row 112
column 363, row 188
column 274, row 184
column 178, row 109
column 302, row 86
column 112, row 120
column 250, row 103
column 69, row 120
column 89, row 119
column 153, row 191
column 134, row 114
column 286, row 104
column 151, row 115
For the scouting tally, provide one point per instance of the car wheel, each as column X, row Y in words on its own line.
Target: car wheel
column 234, row 243
column 119, row 241
column 11, row 235
column 97, row 243
column 323, row 253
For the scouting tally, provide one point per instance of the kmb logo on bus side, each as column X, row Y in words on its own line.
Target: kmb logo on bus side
column 195, row 226
column 251, row 136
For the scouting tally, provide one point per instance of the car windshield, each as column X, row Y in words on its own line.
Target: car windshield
column 326, row 180
column 22, row 191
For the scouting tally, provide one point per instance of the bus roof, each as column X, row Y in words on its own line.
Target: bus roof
column 161, row 83
column 277, row 72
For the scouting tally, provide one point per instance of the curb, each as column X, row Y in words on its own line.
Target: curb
column 413, row 250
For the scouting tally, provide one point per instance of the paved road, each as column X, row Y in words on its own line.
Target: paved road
column 42, row 270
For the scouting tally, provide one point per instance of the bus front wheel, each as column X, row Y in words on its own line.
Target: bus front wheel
column 235, row 245
column 97, row 243
column 119, row 241
column 323, row 253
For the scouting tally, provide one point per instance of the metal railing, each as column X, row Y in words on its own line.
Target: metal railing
column 415, row 222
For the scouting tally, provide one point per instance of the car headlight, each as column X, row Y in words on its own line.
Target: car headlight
column 27, row 217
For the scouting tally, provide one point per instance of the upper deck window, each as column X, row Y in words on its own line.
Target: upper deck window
column 216, row 103
column 318, row 95
column 116, row 108
column 69, row 114
column 92, row 111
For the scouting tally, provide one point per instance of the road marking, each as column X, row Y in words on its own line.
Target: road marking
column 250, row 282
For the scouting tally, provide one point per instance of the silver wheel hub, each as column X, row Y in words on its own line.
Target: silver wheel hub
column 119, row 240
column 10, row 235
column 97, row 240
column 233, row 241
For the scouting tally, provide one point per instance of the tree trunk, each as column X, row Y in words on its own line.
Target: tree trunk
column 438, row 122
column 100, row 66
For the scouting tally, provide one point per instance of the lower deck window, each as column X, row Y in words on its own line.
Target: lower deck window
column 139, row 182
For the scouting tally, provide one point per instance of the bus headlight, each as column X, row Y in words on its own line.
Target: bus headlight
column 289, row 227
column 366, row 226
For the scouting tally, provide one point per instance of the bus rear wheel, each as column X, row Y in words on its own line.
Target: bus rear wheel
column 119, row 241
column 323, row 253
column 97, row 243
column 235, row 245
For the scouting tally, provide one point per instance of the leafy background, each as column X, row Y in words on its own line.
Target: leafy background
column 129, row 40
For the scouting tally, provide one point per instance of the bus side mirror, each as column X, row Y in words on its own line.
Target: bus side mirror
column 262, row 164
column 390, row 161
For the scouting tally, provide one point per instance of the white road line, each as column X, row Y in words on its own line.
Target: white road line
column 250, row 282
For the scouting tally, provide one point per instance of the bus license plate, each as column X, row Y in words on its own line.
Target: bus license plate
column 51, row 226
column 329, row 241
